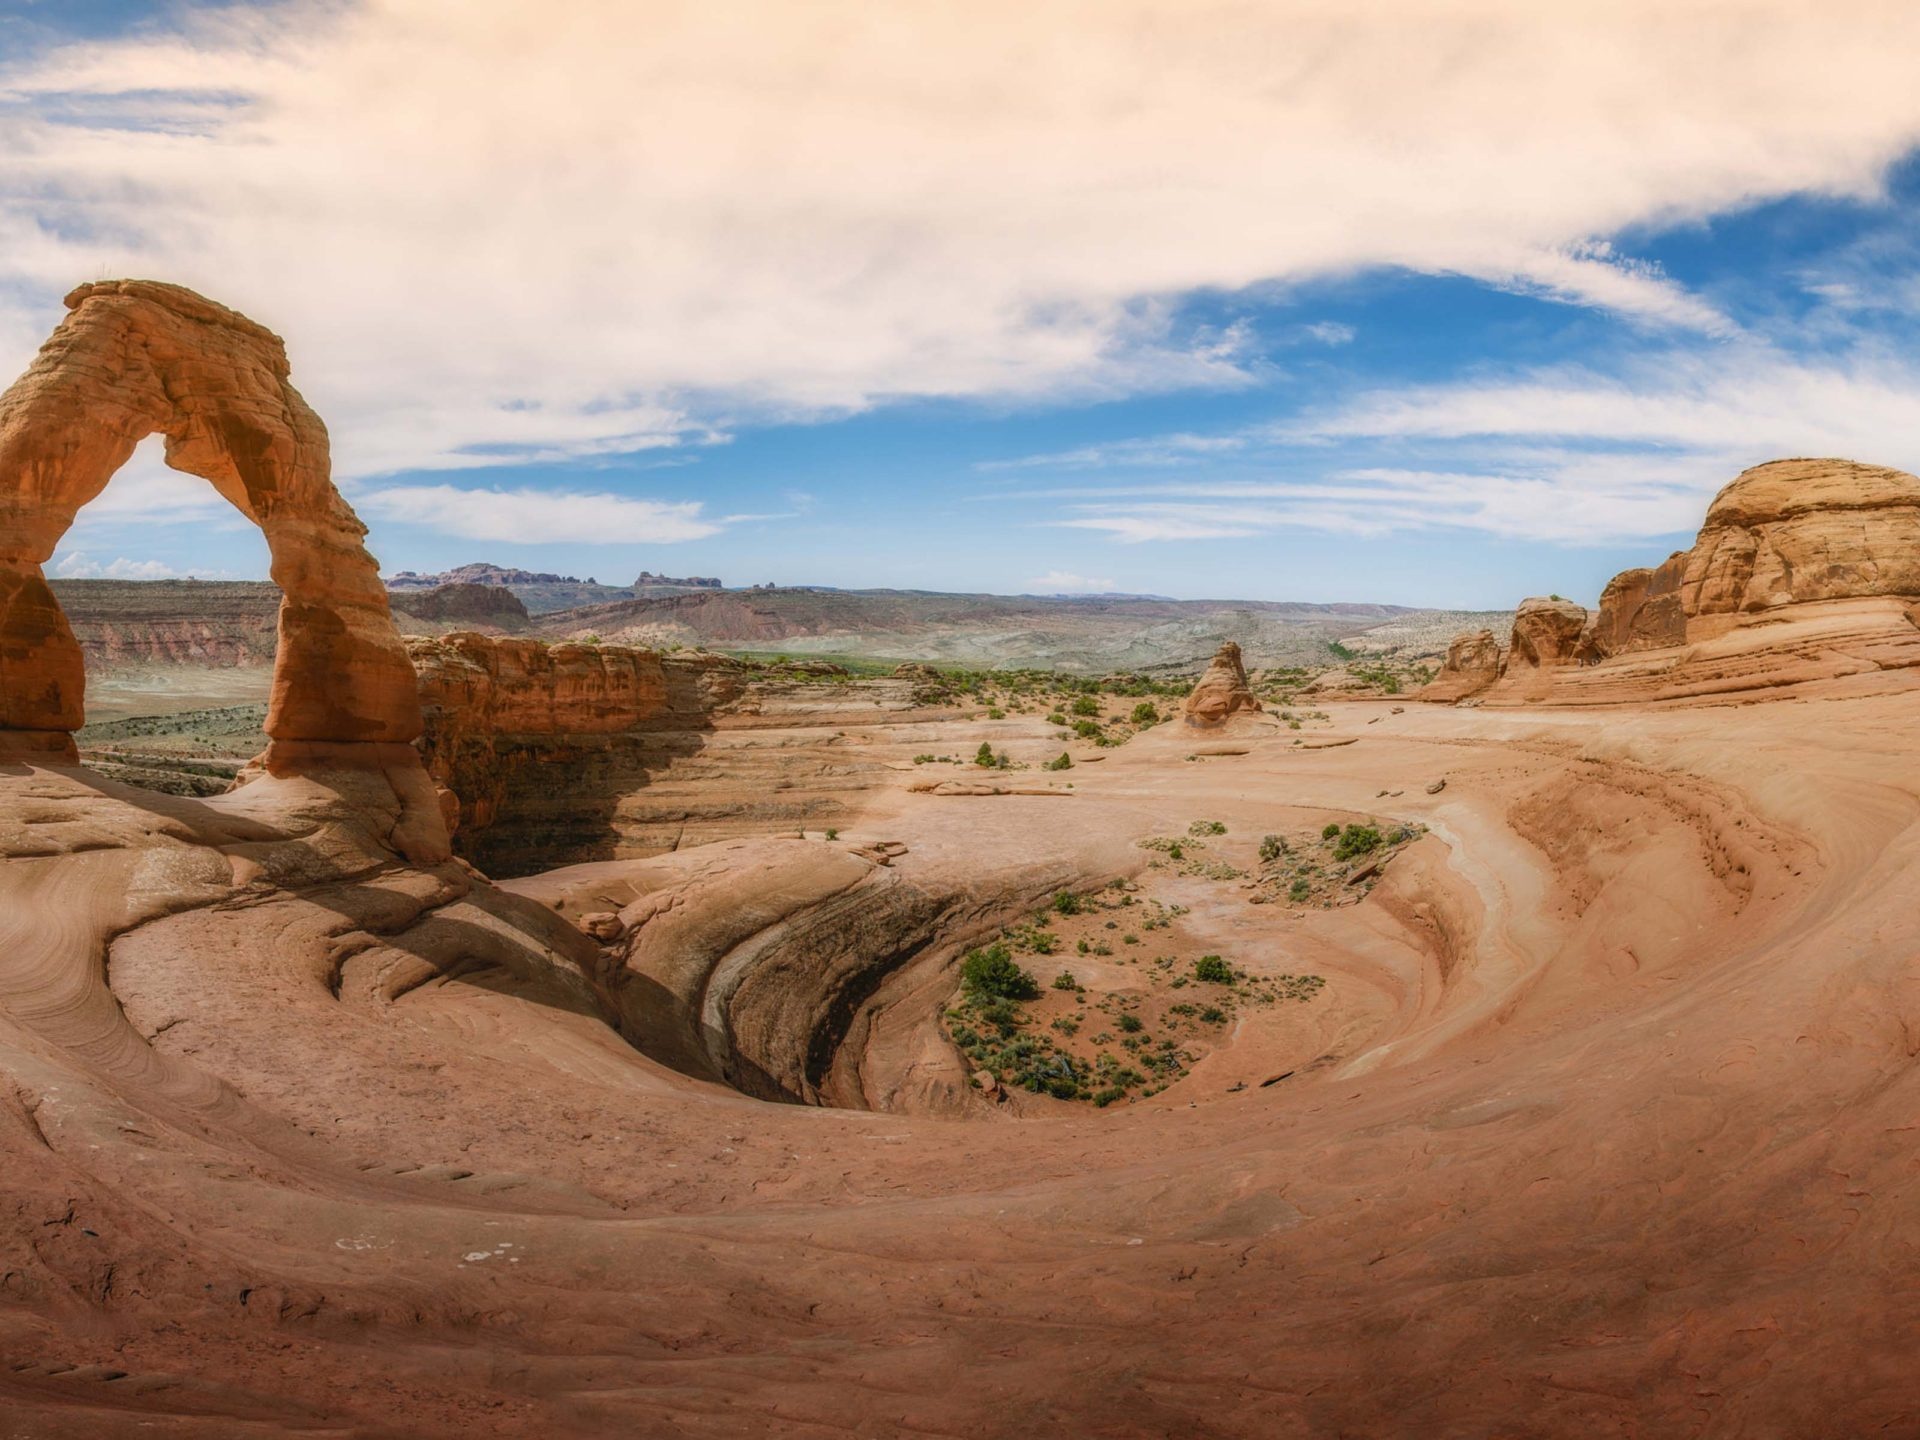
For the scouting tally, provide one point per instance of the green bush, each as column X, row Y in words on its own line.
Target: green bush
column 1065, row 981
column 1272, row 847
column 1206, row 827
column 1357, row 840
column 1087, row 729
column 1300, row 890
column 833, row 834
column 984, row 755
column 1085, row 705
column 1065, row 902
column 1065, row 762
column 1213, row 969
column 1131, row 1024
column 1145, row 714
column 1333, row 827
column 991, row 971
column 1214, row 1015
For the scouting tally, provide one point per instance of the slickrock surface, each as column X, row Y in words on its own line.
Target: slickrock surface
column 1603, row 1124
column 1222, row 690
column 1597, row 1118
column 1805, row 578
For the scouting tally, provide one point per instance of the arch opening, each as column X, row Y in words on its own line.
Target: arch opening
column 137, row 358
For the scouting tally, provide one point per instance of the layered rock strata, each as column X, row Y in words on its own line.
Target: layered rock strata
column 1222, row 690
column 558, row 754
column 1806, row 573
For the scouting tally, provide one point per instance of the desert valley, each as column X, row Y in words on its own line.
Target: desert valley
column 1359, row 1024
column 828, row 720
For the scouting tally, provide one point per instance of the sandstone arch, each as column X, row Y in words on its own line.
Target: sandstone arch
column 134, row 358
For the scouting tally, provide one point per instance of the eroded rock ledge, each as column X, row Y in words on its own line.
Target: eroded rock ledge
column 1805, row 573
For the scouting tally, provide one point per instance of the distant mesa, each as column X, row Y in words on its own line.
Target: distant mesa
column 1222, row 691
column 1805, row 572
column 461, row 605
column 482, row 573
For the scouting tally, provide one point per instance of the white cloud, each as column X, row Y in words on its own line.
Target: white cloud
column 1062, row 582
column 540, row 517
column 499, row 231
column 78, row 565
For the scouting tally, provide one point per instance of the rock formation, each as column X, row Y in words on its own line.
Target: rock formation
column 133, row 358
column 552, row 754
column 1546, row 632
column 1473, row 663
column 462, row 605
column 1795, row 531
column 1222, row 691
column 1804, row 572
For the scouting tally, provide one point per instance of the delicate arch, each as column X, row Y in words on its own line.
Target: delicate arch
column 134, row 358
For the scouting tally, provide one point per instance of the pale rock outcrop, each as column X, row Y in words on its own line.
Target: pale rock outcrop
column 1222, row 691
column 1804, row 579
column 1472, row 664
column 1794, row 531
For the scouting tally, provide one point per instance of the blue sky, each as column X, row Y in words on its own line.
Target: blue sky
column 1147, row 297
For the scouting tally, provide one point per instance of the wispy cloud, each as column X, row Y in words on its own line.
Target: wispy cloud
column 500, row 232
column 541, row 517
column 1566, row 456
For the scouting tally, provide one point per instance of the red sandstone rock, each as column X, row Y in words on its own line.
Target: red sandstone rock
column 1546, row 632
column 1798, row 530
column 133, row 358
column 1472, row 664
column 1222, row 691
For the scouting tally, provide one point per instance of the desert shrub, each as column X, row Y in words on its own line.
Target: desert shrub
column 1214, row 1015
column 984, row 755
column 1085, row 705
column 1065, row 762
column 1087, row 729
column 923, row 759
column 1299, row 890
column 992, row 971
column 1357, row 840
column 1206, row 827
column 994, row 712
column 1213, row 969
column 1145, row 714
column 1065, row 981
column 1272, row 847
column 1106, row 1097
column 1065, row 902
column 1130, row 1024
column 833, row 834
column 1333, row 827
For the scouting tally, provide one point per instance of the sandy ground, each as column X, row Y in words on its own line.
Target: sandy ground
column 1603, row 1124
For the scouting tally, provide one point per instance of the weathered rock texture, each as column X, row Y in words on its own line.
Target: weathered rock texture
column 556, row 754
column 134, row 358
column 464, row 605
column 1472, row 664
column 1805, row 573
column 120, row 624
column 1222, row 690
